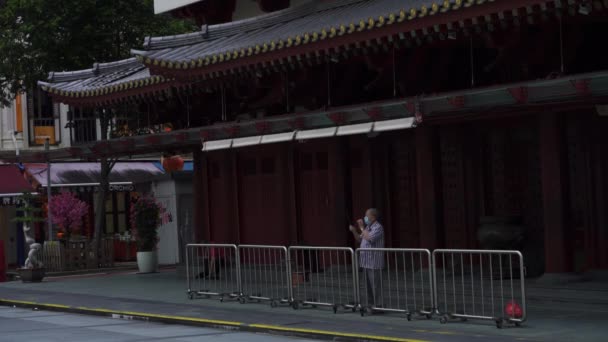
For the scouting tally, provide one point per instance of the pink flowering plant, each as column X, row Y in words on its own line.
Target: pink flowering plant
column 147, row 214
column 68, row 212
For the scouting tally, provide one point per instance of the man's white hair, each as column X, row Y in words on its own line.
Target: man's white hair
column 374, row 212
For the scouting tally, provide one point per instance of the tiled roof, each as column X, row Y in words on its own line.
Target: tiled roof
column 311, row 22
column 102, row 79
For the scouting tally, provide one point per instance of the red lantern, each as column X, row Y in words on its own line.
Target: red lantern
column 171, row 164
column 513, row 310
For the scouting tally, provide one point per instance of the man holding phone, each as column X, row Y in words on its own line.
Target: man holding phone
column 370, row 233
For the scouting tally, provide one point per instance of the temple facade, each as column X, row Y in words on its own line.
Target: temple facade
column 469, row 124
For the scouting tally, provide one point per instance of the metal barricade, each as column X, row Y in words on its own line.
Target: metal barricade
column 480, row 284
column 323, row 276
column 213, row 271
column 395, row 280
column 264, row 274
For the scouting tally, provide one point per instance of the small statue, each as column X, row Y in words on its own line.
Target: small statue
column 32, row 260
column 30, row 215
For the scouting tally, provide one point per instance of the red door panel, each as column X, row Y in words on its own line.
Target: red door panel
column 263, row 206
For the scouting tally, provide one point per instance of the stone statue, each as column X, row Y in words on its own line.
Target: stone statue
column 32, row 260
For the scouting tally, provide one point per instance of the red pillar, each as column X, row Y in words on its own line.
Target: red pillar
column 558, row 257
column 426, row 188
column 200, row 212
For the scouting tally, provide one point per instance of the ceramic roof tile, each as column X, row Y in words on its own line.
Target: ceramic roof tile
column 286, row 26
column 101, row 76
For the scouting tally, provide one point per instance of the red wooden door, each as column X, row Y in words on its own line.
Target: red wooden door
column 316, row 198
column 222, row 209
column 263, row 196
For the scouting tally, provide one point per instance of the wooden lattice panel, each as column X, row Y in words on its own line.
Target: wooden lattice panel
column 404, row 193
column 453, row 182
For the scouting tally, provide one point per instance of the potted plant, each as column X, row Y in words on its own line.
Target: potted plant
column 147, row 215
column 67, row 213
column 33, row 270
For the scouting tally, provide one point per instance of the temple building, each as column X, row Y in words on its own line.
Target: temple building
column 468, row 123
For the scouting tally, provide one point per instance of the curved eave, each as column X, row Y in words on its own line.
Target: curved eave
column 325, row 38
column 107, row 93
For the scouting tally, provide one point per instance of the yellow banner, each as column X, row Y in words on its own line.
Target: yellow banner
column 41, row 133
column 18, row 113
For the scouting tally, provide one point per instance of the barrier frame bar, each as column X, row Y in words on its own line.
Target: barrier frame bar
column 412, row 251
column 445, row 316
column 296, row 302
column 286, row 281
column 206, row 293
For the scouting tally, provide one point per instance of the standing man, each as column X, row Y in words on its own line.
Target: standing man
column 370, row 234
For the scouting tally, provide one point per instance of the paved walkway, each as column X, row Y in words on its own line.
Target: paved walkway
column 579, row 316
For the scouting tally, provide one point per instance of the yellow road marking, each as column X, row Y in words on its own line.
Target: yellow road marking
column 18, row 301
column 180, row 318
column 56, row 306
column 333, row 333
column 220, row 322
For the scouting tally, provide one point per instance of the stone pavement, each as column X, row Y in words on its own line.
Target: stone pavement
column 570, row 313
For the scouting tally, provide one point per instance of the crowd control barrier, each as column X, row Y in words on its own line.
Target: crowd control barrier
column 264, row 274
column 453, row 284
column 213, row 271
column 479, row 284
column 401, row 281
column 323, row 276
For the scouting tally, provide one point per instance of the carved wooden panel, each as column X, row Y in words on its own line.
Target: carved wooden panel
column 453, row 186
column 407, row 232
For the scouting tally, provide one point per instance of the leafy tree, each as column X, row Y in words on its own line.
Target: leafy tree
column 68, row 211
column 39, row 36
column 147, row 214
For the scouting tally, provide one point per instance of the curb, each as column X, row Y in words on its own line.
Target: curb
column 207, row 323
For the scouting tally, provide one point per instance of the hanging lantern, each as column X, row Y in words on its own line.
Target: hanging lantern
column 173, row 163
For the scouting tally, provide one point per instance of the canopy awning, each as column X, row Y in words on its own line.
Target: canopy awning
column 84, row 174
column 13, row 182
column 318, row 133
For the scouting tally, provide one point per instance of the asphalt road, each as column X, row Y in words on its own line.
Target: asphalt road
column 29, row 325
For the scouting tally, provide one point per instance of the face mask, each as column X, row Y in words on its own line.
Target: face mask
column 366, row 220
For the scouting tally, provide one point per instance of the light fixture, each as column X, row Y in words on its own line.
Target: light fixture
column 277, row 137
column 363, row 128
column 393, row 125
column 316, row 133
column 451, row 35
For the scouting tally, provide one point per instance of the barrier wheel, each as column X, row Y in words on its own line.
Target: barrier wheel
column 295, row 305
column 362, row 311
column 428, row 316
column 517, row 324
column 499, row 324
column 190, row 295
column 221, row 299
column 443, row 320
column 335, row 309
column 242, row 300
column 274, row 304
column 409, row 317
column 462, row 319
